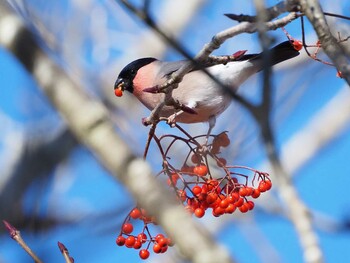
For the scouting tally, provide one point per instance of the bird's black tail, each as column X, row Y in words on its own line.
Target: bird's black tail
column 279, row 53
column 282, row 52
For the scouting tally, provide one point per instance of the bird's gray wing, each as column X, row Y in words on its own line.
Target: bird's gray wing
column 279, row 53
column 168, row 68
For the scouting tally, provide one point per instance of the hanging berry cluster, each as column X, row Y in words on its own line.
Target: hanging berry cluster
column 204, row 182
column 158, row 243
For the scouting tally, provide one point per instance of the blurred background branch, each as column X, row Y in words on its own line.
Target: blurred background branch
column 88, row 119
column 91, row 41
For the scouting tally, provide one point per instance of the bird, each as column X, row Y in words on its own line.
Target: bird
column 197, row 91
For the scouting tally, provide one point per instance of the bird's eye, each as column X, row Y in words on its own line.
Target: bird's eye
column 133, row 71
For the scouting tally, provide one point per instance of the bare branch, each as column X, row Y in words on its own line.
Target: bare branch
column 65, row 253
column 89, row 121
column 16, row 235
column 203, row 55
column 332, row 48
column 270, row 13
column 219, row 39
column 298, row 212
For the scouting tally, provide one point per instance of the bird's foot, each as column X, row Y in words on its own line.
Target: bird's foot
column 146, row 121
column 171, row 120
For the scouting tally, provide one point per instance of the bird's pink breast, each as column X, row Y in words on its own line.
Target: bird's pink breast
column 146, row 78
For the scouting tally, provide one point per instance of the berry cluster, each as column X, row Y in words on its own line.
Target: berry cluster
column 159, row 242
column 223, row 195
column 203, row 182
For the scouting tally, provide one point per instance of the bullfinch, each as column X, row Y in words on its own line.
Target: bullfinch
column 197, row 90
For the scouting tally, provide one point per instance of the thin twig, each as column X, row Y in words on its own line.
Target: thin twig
column 313, row 10
column 202, row 56
column 89, row 120
column 16, row 235
column 149, row 139
column 65, row 253
column 270, row 13
column 298, row 211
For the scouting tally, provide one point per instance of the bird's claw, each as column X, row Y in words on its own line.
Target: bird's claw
column 171, row 120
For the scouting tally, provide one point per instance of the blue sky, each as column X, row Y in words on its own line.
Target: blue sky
column 80, row 190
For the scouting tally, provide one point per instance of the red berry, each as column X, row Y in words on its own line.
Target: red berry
column 249, row 190
column 233, row 197
column 298, row 45
column 172, row 180
column 137, row 244
column 262, row 187
column 243, row 191
column 256, row 193
column 339, row 74
column 244, row 208
column 199, row 212
column 135, row 213
column 159, row 236
column 127, row 228
column 120, row 241
column 118, row 92
column 164, row 249
column 142, row 237
column 196, row 190
column 204, row 188
column 202, row 198
column 200, row 170
column 130, row 241
column 157, row 248
column 224, row 203
column 230, row 209
column 265, row 185
column 163, row 241
column 193, row 203
column 211, row 184
column 239, row 202
column 250, row 205
column 211, row 198
column 268, row 184
column 218, row 211
column 144, row 253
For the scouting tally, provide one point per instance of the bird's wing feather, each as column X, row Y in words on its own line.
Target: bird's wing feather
column 167, row 68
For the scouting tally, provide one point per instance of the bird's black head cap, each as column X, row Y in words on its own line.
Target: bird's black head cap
column 128, row 73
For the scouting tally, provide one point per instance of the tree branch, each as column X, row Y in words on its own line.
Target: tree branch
column 297, row 211
column 89, row 120
column 332, row 48
column 202, row 56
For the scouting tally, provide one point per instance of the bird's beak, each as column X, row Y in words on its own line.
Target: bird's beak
column 119, row 87
column 119, row 84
